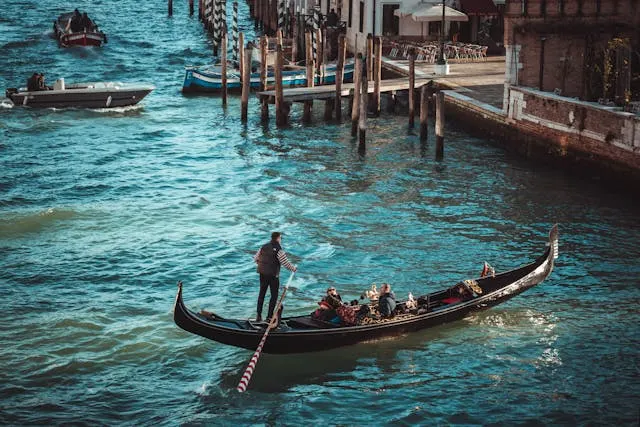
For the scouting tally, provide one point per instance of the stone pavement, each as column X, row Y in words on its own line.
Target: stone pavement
column 480, row 80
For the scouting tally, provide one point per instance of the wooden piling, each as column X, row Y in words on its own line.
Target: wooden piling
column 191, row 8
column 264, row 102
column 294, row 40
column 223, row 47
column 279, row 36
column 320, row 56
column 439, row 125
column 170, row 7
column 241, row 55
column 355, row 104
column 281, row 115
column 246, row 80
column 306, row 117
column 328, row 109
column 412, row 84
column 424, row 112
column 339, row 76
column 377, row 75
column 264, row 50
column 369, row 57
column 362, row 124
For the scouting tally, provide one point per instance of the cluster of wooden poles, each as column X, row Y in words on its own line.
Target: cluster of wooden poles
column 365, row 73
column 367, row 69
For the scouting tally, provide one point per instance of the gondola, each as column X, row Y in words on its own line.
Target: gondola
column 302, row 334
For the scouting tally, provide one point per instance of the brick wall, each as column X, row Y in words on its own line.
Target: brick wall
column 567, row 34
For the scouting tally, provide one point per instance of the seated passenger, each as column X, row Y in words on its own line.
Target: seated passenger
column 386, row 301
column 87, row 24
column 75, row 22
column 328, row 306
column 41, row 84
column 32, row 82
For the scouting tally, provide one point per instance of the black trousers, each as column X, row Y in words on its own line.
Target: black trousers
column 273, row 283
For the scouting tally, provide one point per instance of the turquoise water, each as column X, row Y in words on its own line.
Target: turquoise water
column 102, row 212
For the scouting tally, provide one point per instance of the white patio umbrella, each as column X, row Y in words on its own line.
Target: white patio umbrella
column 429, row 12
column 422, row 11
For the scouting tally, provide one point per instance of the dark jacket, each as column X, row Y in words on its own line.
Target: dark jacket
column 268, row 263
column 387, row 304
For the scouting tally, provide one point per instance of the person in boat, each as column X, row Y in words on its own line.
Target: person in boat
column 41, row 83
column 86, row 23
column 333, row 310
column 269, row 258
column 33, row 82
column 75, row 22
column 328, row 306
column 386, row 301
column 332, row 18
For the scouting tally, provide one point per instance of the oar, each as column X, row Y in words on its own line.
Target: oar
column 246, row 377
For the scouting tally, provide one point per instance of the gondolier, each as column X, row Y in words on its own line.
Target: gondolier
column 269, row 258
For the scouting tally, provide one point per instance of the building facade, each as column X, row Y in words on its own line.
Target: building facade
column 576, row 48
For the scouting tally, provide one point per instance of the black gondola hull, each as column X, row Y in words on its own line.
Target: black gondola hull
column 288, row 338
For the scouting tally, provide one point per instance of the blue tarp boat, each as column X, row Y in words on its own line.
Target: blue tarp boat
column 208, row 78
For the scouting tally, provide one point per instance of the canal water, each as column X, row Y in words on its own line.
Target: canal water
column 103, row 211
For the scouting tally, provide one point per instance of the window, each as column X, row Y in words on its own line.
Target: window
column 361, row 16
column 350, row 11
column 561, row 7
column 390, row 22
column 524, row 7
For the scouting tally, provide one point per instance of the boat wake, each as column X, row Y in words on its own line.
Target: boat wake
column 6, row 103
column 119, row 110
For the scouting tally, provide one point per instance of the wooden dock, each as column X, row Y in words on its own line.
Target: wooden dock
column 326, row 92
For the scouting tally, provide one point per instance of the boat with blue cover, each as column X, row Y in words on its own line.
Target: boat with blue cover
column 209, row 78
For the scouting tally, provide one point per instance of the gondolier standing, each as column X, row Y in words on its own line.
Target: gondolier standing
column 269, row 259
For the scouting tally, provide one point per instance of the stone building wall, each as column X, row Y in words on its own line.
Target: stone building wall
column 557, row 38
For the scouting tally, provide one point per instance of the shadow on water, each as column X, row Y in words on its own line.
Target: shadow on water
column 280, row 373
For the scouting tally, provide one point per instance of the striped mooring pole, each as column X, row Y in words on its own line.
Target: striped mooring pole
column 281, row 15
column 314, row 34
column 223, row 18
column 234, row 30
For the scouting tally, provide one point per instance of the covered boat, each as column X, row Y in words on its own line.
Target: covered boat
column 81, row 95
column 209, row 79
column 303, row 334
column 86, row 36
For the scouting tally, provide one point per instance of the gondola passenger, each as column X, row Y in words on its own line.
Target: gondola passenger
column 386, row 301
column 327, row 310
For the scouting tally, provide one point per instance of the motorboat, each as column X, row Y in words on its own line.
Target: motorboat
column 67, row 37
column 81, row 95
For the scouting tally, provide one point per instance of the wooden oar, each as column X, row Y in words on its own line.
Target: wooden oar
column 246, row 377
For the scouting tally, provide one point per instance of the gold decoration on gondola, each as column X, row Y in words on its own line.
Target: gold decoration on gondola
column 474, row 286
